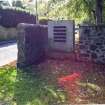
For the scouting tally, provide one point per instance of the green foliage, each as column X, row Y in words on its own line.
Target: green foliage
column 4, row 3
column 17, row 3
column 34, row 91
column 57, row 9
column 91, row 86
column 19, row 10
column 7, row 82
column 20, row 88
column 79, row 10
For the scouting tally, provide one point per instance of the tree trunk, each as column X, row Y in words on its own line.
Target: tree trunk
column 99, row 11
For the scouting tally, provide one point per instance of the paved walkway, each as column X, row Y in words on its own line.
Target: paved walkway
column 8, row 53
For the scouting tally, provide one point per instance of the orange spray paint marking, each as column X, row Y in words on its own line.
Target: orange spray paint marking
column 70, row 85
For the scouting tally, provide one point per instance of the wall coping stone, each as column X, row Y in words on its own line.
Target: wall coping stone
column 92, row 25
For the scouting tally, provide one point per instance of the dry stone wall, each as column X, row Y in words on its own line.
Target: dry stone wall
column 92, row 42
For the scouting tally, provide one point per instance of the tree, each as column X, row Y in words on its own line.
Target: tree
column 81, row 10
column 17, row 3
column 99, row 11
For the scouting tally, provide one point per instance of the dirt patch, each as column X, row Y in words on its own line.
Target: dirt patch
column 13, row 64
column 62, row 64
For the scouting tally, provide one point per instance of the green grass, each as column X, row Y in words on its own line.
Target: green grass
column 21, row 88
column 40, row 87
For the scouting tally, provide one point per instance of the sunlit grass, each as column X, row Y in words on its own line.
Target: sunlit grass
column 7, row 82
column 20, row 88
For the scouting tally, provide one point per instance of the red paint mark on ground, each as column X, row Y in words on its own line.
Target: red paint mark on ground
column 70, row 85
column 64, row 68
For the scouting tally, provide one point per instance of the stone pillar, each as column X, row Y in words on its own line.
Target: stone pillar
column 32, row 44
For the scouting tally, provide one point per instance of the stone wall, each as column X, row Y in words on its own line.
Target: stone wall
column 7, row 33
column 32, row 44
column 92, row 43
column 11, row 17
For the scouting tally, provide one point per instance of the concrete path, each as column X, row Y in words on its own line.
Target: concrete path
column 8, row 53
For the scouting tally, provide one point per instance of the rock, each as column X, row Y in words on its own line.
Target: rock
column 93, row 47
